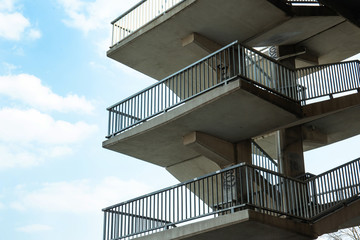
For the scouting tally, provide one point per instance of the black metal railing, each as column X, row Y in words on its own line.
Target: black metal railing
column 331, row 189
column 139, row 15
column 303, row 2
column 222, row 66
column 328, row 79
column 146, row 11
column 239, row 187
column 261, row 159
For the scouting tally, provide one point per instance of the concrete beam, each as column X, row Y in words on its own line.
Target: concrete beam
column 291, row 157
column 245, row 224
column 345, row 217
column 312, row 135
column 243, row 151
column 191, row 168
column 200, row 41
column 308, row 57
column 216, row 149
column 348, row 9
column 287, row 54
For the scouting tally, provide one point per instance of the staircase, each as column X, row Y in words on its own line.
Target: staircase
column 301, row 86
column 233, row 189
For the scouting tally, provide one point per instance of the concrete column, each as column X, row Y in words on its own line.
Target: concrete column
column 243, row 151
column 287, row 50
column 218, row 150
column 290, row 151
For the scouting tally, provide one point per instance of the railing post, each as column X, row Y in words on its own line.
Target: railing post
column 104, row 233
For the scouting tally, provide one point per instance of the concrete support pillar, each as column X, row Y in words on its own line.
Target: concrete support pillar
column 290, row 151
column 243, row 151
column 287, row 50
column 218, row 150
column 221, row 152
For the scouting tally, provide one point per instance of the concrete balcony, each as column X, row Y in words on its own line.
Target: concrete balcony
column 235, row 94
column 243, row 200
column 181, row 32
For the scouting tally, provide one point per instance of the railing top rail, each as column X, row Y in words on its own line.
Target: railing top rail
column 266, row 56
column 265, row 153
column 174, row 74
column 332, row 170
column 177, row 185
column 125, row 13
column 225, row 170
column 243, row 164
column 197, row 62
column 303, row 1
column 328, row 64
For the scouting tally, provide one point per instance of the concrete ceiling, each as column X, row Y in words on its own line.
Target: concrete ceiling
column 228, row 112
column 156, row 49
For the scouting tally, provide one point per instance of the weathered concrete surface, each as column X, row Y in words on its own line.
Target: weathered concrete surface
column 246, row 224
column 323, row 123
column 218, row 150
column 232, row 112
column 345, row 217
column 291, row 154
column 255, row 23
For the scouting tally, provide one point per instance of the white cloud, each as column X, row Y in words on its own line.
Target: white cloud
column 31, row 91
column 7, row 5
column 95, row 15
column 28, row 136
column 28, row 155
column 82, row 196
column 25, row 126
column 34, row 34
column 33, row 228
column 20, row 158
column 14, row 25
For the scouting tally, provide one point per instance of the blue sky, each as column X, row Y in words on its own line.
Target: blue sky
column 55, row 85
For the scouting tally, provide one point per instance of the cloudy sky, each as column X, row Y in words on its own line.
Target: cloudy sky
column 55, row 85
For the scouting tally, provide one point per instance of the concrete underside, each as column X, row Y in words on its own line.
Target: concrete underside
column 255, row 23
column 232, row 112
column 250, row 224
column 246, row 224
column 336, row 119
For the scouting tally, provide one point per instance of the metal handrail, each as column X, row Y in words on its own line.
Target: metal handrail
column 329, row 79
column 139, row 15
column 260, row 158
column 238, row 187
column 222, row 66
column 312, row 2
column 147, row 11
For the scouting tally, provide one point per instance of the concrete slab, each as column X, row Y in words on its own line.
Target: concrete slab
column 246, row 224
column 231, row 112
column 337, row 118
column 255, row 23
column 162, row 37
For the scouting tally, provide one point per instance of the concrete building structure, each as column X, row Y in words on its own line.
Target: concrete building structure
column 245, row 87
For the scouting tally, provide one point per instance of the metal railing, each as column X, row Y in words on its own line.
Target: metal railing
column 225, row 65
column 328, row 79
column 303, row 2
column 261, row 159
column 334, row 187
column 239, row 187
column 148, row 10
column 218, row 68
column 139, row 15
